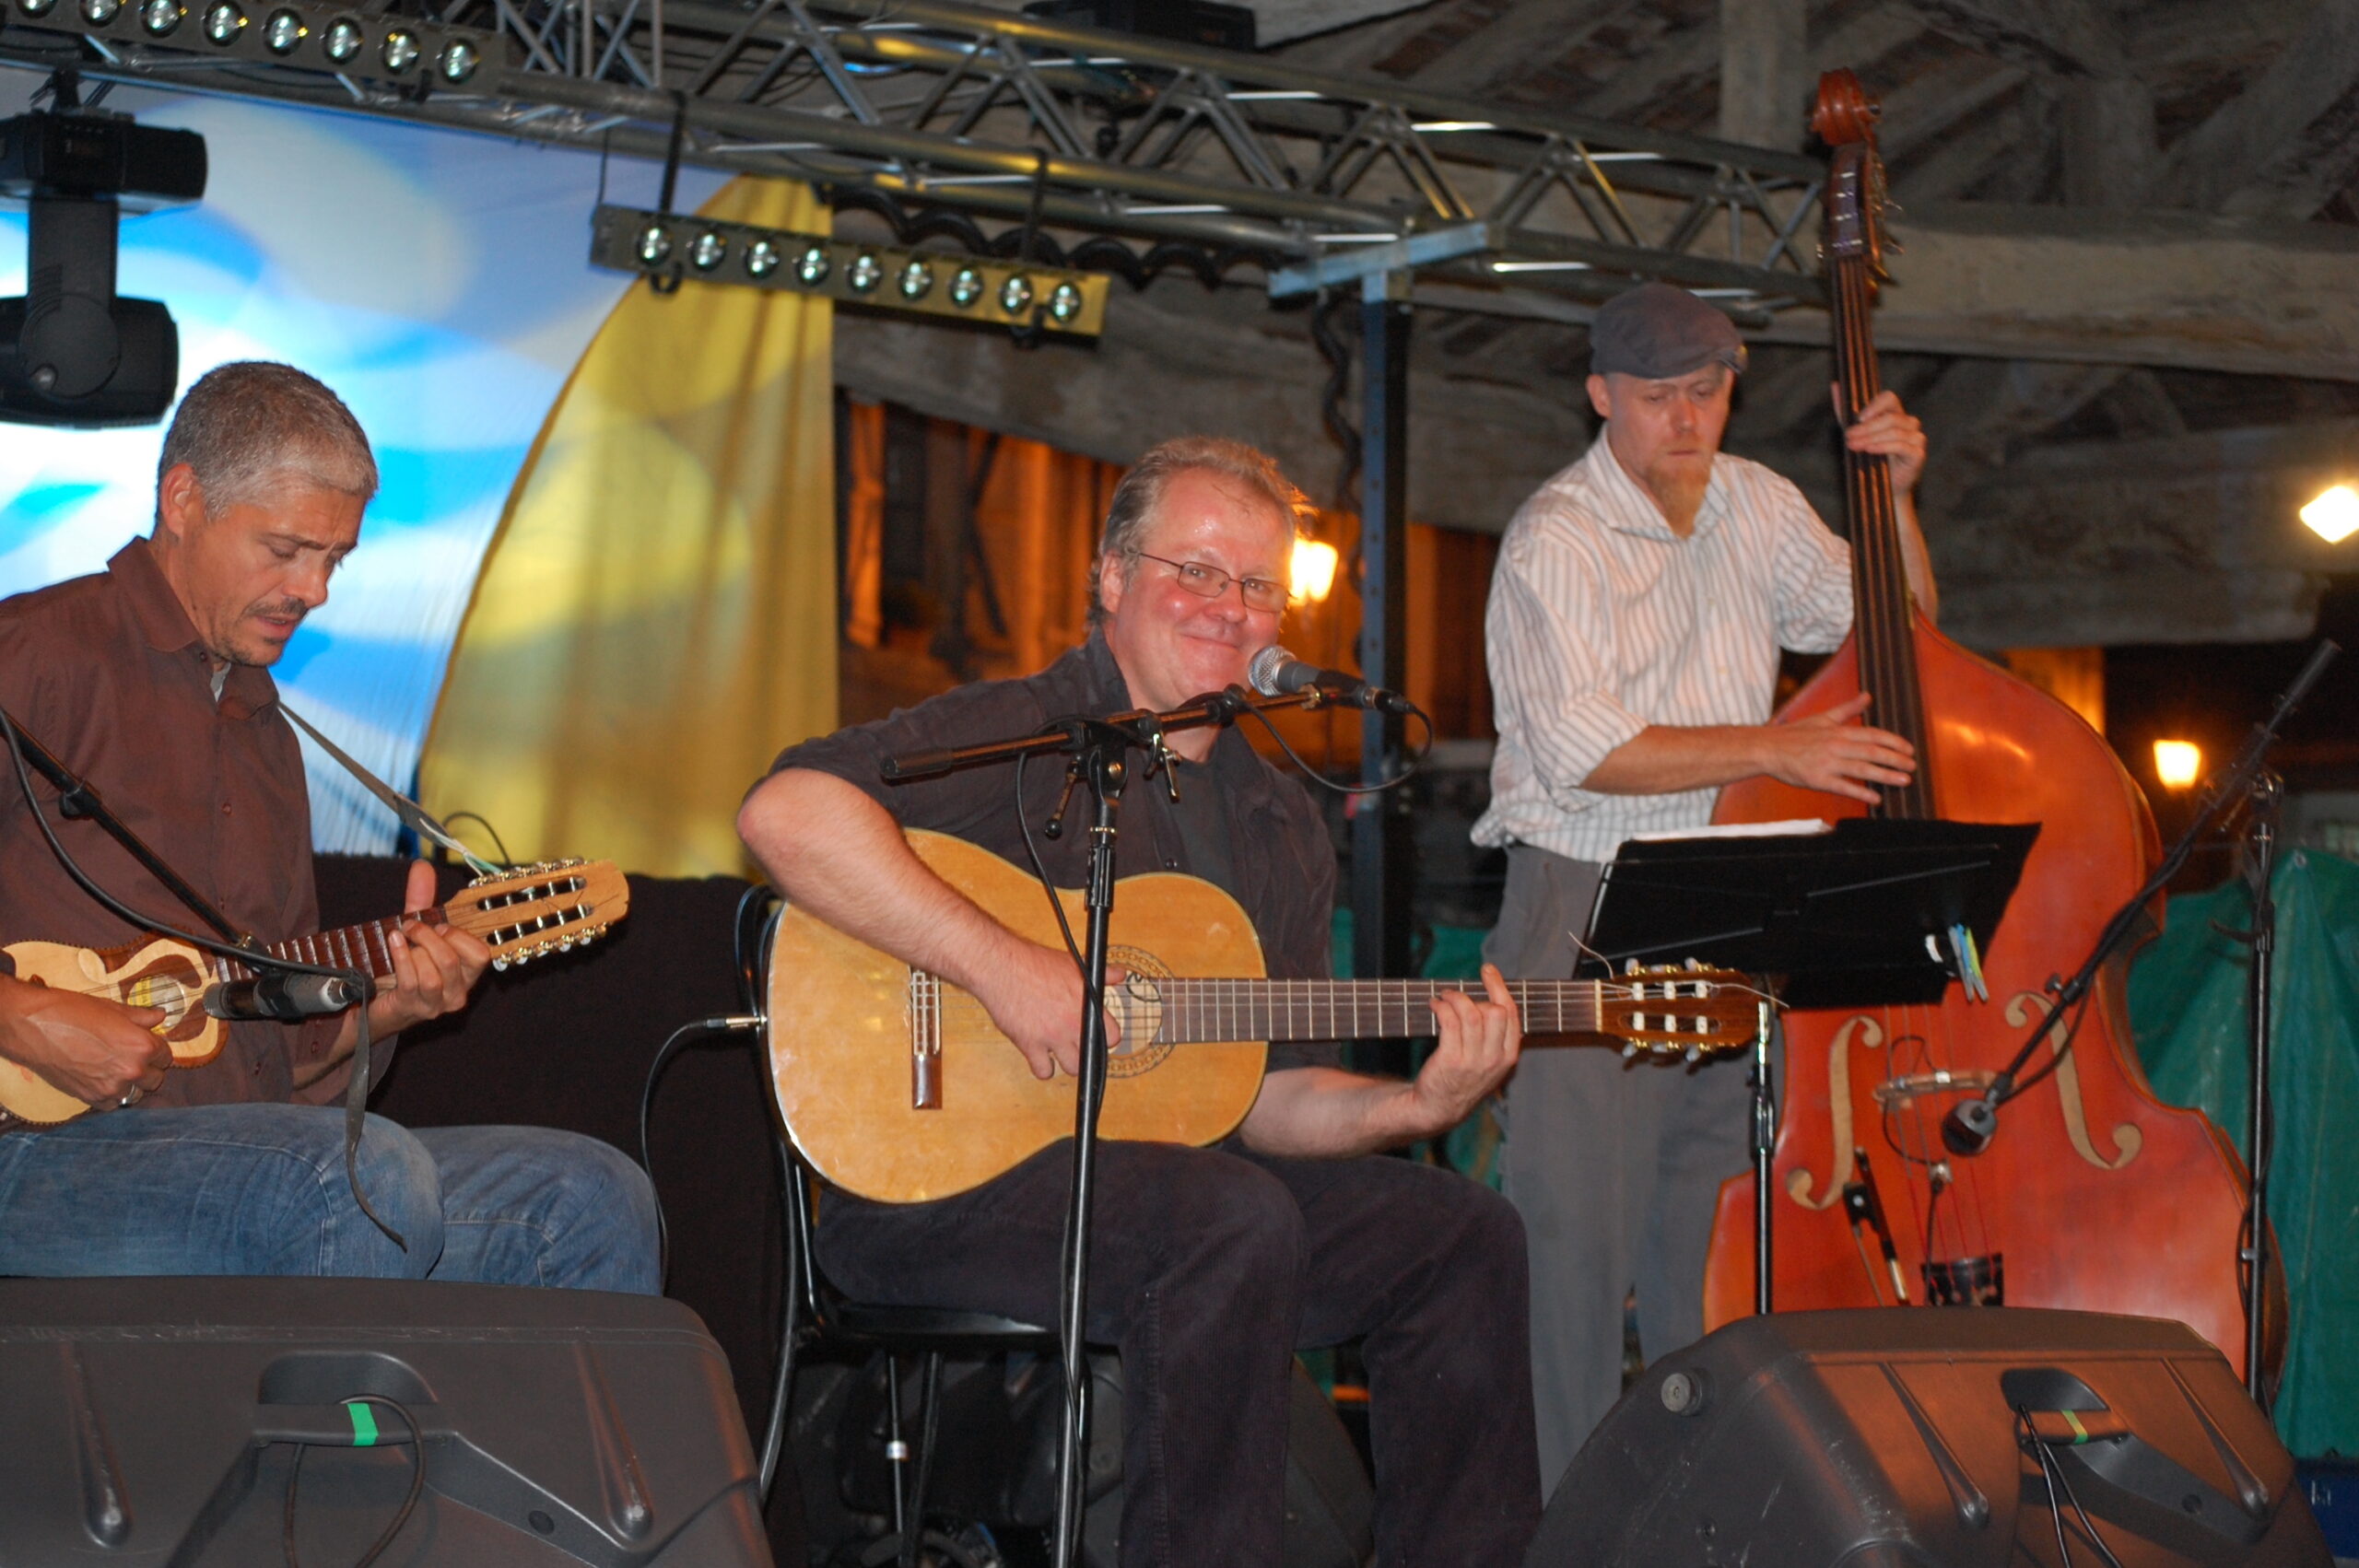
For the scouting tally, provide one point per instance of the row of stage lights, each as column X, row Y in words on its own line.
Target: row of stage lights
column 386, row 48
column 1001, row 293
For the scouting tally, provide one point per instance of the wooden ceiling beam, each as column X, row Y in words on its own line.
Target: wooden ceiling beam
column 2067, row 38
column 2290, row 141
column 2185, row 291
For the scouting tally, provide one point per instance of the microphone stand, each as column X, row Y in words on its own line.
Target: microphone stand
column 1969, row 1128
column 1097, row 748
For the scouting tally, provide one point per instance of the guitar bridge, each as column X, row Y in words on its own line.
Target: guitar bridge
column 925, row 1041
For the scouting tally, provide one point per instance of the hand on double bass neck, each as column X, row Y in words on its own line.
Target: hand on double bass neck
column 1832, row 752
column 1889, row 431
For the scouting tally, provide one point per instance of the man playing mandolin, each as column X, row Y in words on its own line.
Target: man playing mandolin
column 1634, row 619
column 150, row 681
column 1210, row 1266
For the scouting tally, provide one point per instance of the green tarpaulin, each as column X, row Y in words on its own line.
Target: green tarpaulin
column 2188, row 1006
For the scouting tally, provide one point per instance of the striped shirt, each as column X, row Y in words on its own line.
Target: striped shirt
column 1602, row 622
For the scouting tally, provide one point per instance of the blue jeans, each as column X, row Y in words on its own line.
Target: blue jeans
column 261, row 1189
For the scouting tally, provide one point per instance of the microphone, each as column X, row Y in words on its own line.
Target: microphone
column 1971, row 1124
column 1275, row 673
column 285, row 999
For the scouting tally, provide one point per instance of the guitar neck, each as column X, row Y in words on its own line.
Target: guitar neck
column 1197, row 1010
column 362, row 947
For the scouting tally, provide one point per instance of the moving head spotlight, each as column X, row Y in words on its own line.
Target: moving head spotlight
column 71, row 353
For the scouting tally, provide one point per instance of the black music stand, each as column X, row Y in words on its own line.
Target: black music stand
column 1876, row 912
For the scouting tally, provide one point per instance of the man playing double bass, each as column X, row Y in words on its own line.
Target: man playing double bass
column 1635, row 615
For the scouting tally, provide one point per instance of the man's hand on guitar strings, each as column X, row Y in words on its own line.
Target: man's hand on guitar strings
column 102, row 1052
column 435, row 967
column 1034, row 995
column 1477, row 1048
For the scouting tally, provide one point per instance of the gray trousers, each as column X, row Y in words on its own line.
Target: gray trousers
column 1615, row 1166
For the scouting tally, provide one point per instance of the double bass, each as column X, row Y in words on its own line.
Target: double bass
column 2094, row 1194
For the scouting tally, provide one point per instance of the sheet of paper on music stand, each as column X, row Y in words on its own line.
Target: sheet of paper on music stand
column 1796, row 828
column 1842, row 915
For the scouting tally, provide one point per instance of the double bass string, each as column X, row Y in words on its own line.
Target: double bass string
column 1888, row 671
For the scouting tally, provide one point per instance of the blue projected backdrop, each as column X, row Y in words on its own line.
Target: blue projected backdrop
column 437, row 281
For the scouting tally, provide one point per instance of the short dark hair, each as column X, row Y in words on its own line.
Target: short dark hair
column 1135, row 499
column 244, row 424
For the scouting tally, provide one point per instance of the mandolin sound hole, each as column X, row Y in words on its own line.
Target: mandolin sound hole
column 1139, row 1003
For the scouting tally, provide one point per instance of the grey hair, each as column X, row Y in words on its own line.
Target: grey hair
column 1140, row 495
column 244, row 425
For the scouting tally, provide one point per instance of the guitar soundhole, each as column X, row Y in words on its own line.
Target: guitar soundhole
column 1139, row 1004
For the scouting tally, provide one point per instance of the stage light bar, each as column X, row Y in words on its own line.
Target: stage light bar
column 935, row 282
column 351, row 42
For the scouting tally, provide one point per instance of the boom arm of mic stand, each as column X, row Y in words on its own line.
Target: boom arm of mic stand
column 1212, row 710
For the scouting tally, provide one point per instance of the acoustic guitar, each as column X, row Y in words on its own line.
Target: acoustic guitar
column 897, row 1086
column 520, row 914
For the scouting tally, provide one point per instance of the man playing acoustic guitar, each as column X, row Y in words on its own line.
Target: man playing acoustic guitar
column 1210, row 1266
column 150, row 681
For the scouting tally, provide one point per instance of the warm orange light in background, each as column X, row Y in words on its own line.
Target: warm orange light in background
column 2334, row 516
column 1313, row 571
column 2177, row 763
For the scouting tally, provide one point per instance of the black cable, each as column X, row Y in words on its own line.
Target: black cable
column 1039, row 869
column 401, row 1514
column 254, row 957
column 2055, row 1510
column 1336, row 350
column 663, row 1054
column 2088, row 1527
column 1416, row 761
column 507, row 861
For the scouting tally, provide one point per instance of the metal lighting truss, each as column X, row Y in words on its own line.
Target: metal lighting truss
column 939, row 105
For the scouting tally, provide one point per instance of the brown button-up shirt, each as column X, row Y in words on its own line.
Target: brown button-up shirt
column 108, row 672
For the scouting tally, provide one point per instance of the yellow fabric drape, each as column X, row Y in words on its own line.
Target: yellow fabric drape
column 656, row 617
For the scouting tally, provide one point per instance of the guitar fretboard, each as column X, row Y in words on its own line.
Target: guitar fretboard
column 347, row 947
column 1195, row 1010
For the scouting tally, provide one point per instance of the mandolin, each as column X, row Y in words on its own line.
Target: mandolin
column 520, row 914
column 898, row 1087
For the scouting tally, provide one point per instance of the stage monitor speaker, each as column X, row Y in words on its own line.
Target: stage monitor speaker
column 168, row 1420
column 1933, row 1438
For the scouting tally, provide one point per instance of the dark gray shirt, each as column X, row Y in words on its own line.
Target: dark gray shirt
column 1281, row 867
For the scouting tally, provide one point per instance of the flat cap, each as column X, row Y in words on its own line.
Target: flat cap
column 1656, row 331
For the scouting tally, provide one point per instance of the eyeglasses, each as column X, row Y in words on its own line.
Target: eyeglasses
column 1211, row 582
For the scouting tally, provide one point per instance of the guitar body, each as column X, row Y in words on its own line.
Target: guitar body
column 155, row 974
column 844, row 1027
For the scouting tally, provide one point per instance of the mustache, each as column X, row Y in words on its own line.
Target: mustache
column 283, row 609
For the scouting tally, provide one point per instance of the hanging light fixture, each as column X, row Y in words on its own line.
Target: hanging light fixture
column 2334, row 516
column 2178, row 764
column 1312, row 576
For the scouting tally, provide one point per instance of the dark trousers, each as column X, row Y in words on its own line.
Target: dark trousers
column 1208, row 1269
